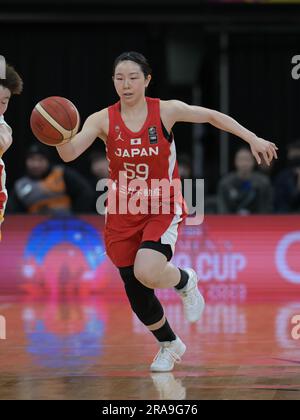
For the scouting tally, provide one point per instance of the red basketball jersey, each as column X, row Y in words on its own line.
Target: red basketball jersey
column 146, row 155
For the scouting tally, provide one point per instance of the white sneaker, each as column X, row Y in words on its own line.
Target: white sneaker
column 170, row 353
column 193, row 301
column 168, row 387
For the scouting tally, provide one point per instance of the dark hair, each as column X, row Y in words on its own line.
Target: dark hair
column 38, row 149
column 13, row 81
column 136, row 58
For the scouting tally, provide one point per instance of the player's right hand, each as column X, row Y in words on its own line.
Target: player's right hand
column 262, row 148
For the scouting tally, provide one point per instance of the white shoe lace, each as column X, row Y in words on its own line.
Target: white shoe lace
column 165, row 353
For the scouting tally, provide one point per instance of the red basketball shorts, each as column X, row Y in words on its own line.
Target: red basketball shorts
column 124, row 234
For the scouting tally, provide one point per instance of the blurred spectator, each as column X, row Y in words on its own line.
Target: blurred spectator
column 98, row 170
column 184, row 167
column 49, row 189
column 186, row 172
column 287, row 183
column 265, row 169
column 245, row 191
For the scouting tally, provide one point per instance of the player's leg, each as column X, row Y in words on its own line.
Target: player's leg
column 160, row 235
column 152, row 265
column 149, row 310
column 152, row 268
column 142, row 299
column 154, row 271
column 171, row 347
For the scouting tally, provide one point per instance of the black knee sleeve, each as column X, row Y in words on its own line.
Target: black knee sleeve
column 143, row 301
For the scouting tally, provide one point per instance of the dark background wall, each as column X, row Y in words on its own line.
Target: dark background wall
column 68, row 50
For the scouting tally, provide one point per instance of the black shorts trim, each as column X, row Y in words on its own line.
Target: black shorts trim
column 164, row 249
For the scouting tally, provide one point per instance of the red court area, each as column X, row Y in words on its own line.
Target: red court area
column 67, row 331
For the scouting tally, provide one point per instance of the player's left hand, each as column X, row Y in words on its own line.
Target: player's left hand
column 5, row 138
column 265, row 148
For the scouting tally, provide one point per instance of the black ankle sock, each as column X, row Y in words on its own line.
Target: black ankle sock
column 183, row 279
column 164, row 333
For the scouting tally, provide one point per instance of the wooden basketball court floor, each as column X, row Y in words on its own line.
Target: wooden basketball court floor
column 96, row 349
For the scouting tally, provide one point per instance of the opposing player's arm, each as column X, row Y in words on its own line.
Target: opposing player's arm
column 5, row 138
column 180, row 111
column 93, row 127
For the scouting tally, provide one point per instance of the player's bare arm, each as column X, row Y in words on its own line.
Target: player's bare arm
column 96, row 125
column 5, row 138
column 176, row 111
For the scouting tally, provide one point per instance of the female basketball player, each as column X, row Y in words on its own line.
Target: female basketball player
column 11, row 85
column 137, row 132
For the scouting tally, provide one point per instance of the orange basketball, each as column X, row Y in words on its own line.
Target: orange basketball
column 54, row 120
